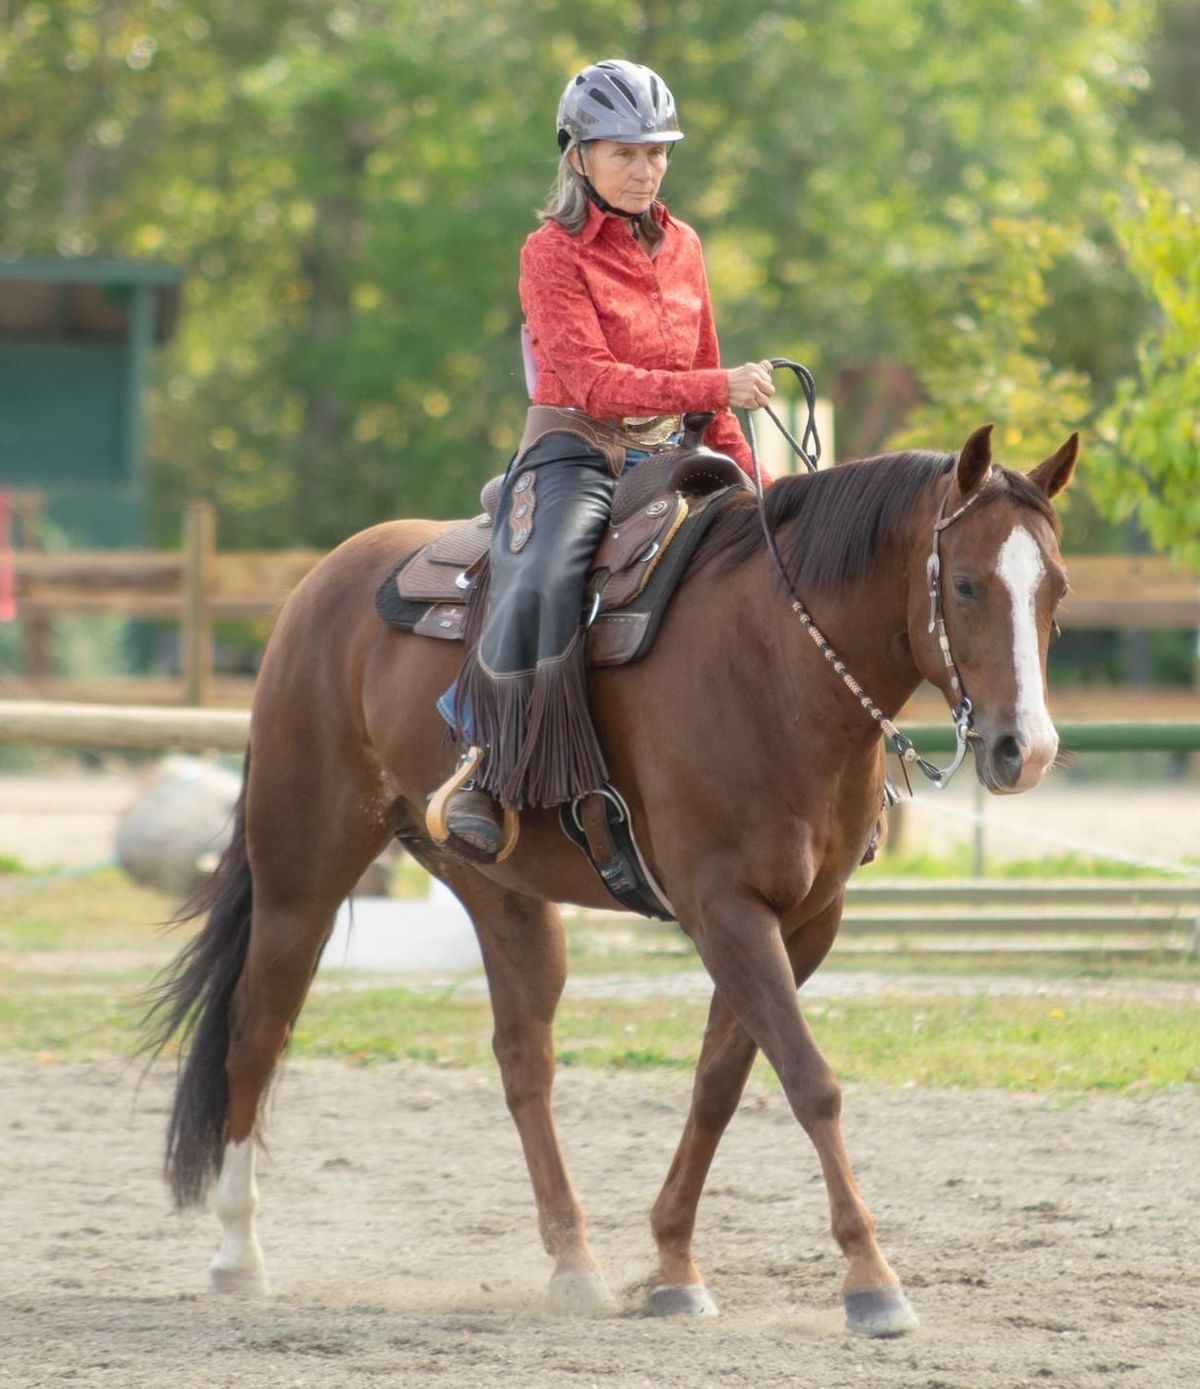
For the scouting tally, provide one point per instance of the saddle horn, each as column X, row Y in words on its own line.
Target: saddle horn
column 695, row 422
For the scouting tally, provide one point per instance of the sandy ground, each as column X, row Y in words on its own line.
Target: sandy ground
column 1042, row 1242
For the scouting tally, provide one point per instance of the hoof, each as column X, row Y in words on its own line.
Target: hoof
column 680, row 1300
column 239, row 1282
column 879, row 1312
column 580, row 1294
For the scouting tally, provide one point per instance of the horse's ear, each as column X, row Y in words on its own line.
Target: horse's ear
column 974, row 460
column 1053, row 473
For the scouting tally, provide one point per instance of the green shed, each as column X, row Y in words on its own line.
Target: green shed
column 76, row 337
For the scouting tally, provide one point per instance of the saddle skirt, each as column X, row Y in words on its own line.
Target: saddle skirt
column 660, row 512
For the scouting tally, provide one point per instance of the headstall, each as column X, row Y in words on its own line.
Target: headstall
column 961, row 711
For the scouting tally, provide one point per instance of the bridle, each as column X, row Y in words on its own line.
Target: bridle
column 809, row 452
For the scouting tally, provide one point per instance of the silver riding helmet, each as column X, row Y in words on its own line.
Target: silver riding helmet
column 616, row 100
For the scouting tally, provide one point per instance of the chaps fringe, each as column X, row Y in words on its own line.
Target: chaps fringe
column 537, row 728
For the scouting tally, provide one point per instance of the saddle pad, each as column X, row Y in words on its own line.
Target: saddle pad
column 421, row 594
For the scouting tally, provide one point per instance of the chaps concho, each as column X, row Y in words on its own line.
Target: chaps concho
column 520, row 518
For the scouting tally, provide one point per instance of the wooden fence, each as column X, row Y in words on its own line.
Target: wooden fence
column 1055, row 914
column 200, row 585
column 970, row 914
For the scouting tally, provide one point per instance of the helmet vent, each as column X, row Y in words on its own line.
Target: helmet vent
column 602, row 97
column 625, row 92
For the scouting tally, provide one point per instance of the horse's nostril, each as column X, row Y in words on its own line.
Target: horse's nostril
column 1008, row 756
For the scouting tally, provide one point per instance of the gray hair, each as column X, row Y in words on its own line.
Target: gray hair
column 567, row 203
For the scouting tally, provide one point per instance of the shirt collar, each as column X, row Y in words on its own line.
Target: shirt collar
column 596, row 220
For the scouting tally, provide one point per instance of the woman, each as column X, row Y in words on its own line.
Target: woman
column 622, row 341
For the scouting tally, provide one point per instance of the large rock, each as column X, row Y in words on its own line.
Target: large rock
column 178, row 826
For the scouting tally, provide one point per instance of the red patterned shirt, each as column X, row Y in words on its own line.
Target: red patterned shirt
column 615, row 333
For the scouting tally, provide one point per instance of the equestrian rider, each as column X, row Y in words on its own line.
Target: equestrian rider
column 621, row 336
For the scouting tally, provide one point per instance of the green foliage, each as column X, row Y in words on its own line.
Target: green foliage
column 1148, row 468
column 886, row 190
column 990, row 364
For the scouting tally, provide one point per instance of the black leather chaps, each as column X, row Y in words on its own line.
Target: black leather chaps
column 523, row 687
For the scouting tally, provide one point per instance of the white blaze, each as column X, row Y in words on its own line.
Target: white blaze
column 1022, row 569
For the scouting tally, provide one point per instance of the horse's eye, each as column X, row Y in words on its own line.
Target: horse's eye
column 964, row 587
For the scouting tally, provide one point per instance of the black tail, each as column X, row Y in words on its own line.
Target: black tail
column 191, row 998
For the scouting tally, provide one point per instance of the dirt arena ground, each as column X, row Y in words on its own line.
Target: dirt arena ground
column 1042, row 1242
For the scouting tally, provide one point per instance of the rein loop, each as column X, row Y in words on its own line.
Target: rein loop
column 809, row 452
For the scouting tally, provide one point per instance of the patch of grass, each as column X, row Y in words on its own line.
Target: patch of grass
column 102, row 910
column 1068, row 1045
column 75, row 956
column 76, row 1026
column 1035, row 1044
column 958, row 862
column 1015, row 1043
column 1087, row 964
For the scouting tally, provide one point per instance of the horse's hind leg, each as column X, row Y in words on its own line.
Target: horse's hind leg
column 308, row 851
column 524, row 954
column 726, row 1057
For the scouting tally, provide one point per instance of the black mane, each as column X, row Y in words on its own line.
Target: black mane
column 837, row 520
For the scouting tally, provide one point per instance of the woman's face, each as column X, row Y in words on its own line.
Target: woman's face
column 625, row 176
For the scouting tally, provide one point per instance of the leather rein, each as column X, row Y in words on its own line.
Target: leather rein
column 808, row 450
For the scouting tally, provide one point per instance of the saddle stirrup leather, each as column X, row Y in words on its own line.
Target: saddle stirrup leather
column 435, row 815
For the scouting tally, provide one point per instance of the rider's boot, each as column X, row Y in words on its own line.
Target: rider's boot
column 474, row 816
column 462, row 809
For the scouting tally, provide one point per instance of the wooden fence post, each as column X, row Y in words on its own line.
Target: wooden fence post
column 35, row 624
column 196, row 635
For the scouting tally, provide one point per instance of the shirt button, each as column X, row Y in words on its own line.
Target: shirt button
column 654, row 294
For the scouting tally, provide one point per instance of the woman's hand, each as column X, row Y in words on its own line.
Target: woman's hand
column 750, row 386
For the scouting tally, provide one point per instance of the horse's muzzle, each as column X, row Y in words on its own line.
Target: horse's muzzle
column 1007, row 762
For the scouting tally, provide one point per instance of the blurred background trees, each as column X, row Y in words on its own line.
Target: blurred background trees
column 951, row 209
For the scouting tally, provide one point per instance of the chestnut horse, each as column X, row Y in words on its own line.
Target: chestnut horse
column 755, row 781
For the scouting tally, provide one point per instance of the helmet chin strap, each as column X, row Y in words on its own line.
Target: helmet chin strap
column 603, row 204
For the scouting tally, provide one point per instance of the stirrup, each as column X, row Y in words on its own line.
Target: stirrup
column 435, row 815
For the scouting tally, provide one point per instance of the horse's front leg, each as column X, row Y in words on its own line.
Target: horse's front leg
column 739, row 940
column 726, row 1058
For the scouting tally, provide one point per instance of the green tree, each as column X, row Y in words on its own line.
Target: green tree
column 990, row 364
column 348, row 184
column 1148, row 466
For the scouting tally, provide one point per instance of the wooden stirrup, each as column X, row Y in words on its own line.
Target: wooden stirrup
column 435, row 815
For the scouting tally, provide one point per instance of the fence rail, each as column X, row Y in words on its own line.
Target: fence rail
column 1075, row 913
column 1168, row 913
column 33, row 723
column 200, row 585
column 50, row 723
